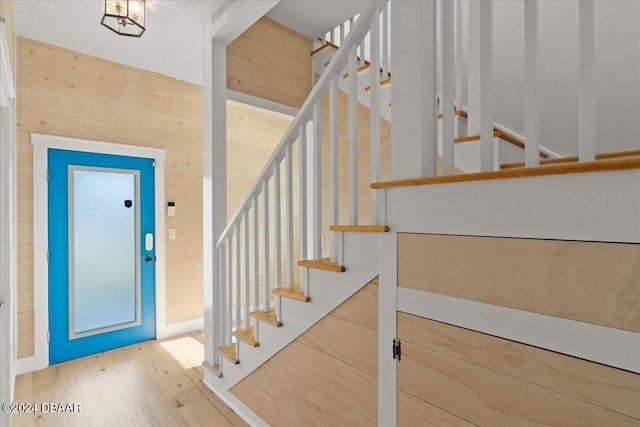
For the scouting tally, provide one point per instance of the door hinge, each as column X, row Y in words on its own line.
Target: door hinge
column 153, row 164
column 397, row 350
column 48, row 337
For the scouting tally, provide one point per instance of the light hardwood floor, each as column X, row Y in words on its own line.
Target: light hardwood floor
column 156, row 383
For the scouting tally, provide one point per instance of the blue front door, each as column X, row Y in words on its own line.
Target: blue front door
column 101, row 253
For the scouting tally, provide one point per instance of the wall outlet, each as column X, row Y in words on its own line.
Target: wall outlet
column 172, row 233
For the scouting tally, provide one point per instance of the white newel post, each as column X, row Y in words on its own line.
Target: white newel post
column 413, row 96
column 214, row 186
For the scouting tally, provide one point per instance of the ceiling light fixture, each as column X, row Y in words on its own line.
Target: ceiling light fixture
column 124, row 17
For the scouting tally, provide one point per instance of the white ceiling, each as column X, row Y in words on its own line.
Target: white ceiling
column 173, row 41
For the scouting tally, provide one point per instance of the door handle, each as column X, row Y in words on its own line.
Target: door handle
column 148, row 259
column 1, row 303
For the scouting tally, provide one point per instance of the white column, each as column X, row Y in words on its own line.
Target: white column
column 531, row 100
column 486, row 85
column 413, row 96
column 214, row 186
column 448, row 89
column 586, row 101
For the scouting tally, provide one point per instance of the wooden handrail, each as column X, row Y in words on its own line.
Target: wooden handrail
column 572, row 159
column 599, row 166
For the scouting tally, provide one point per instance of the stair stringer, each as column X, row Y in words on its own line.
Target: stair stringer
column 327, row 290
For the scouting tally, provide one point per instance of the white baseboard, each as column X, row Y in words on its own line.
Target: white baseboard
column 179, row 328
column 25, row 365
column 233, row 402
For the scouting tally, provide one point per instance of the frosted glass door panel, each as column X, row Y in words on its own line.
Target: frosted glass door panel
column 103, row 227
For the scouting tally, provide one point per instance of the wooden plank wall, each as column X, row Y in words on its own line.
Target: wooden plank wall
column 586, row 281
column 66, row 93
column 252, row 136
column 453, row 376
column 271, row 61
column 328, row 376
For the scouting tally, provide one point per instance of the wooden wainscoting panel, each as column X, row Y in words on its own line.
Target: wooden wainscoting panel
column 489, row 398
column 600, row 385
column 413, row 411
column 328, row 376
column 586, row 281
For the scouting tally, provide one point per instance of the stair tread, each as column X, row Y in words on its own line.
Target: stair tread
column 360, row 228
column 323, row 264
column 229, row 353
column 365, row 67
column 475, row 137
column 247, row 336
column 557, row 169
column 267, row 316
column 324, row 46
column 294, row 293
column 573, row 159
column 382, row 83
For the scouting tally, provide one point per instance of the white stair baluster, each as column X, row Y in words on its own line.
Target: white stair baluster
column 289, row 205
column 316, row 184
column 374, row 35
column 229, row 292
column 247, row 279
column 486, row 86
column 385, row 42
column 237, row 281
column 586, row 100
column 448, row 91
column 352, row 69
column 256, row 263
column 302, row 170
column 531, row 101
column 334, row 166
column 277, row 218
column 265, row 223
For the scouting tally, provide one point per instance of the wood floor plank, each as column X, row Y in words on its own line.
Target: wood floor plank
column 601, row 385
column 272, row 411
column 486, row 397
column 352, row 386
column 155, row 383
column 304, row 398
column 347, row 341
column 361, row 308
column 412, row 412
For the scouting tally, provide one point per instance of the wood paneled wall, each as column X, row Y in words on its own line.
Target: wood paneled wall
column 271, row 61
column 585, row 281
column 454, row 376
column 326, row 377
column 66, row 93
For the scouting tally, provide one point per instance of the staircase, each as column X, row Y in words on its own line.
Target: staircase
column 307, row 236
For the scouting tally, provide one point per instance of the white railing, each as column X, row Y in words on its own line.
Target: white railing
column 249, row 251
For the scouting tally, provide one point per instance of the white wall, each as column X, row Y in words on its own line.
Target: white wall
column 617, row 72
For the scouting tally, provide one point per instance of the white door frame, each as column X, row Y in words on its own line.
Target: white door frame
column 8, row 247
column 41, row 143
